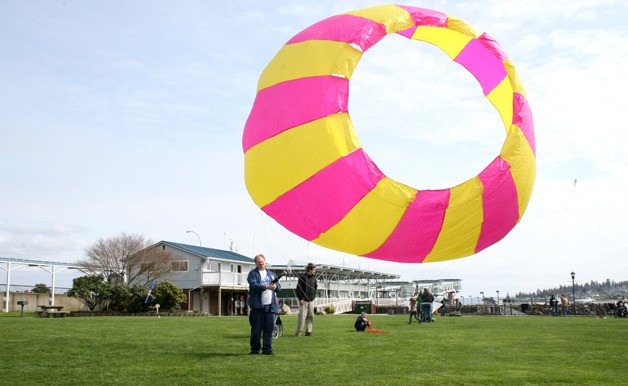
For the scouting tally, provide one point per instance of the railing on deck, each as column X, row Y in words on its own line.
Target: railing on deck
column 225, row 279
column 29, row 289
column 342, row 304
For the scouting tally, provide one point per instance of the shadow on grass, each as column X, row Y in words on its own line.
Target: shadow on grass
column 236, row 336
column 215, row 355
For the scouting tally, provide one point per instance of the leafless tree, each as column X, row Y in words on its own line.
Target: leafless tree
column 128, row 259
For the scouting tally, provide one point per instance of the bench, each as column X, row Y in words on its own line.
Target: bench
column 52, row 312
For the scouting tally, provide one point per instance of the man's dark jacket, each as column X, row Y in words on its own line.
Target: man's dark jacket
column 306, row 287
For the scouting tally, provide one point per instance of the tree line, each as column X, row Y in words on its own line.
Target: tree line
column 605, row 290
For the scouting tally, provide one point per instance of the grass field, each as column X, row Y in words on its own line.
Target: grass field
column 214, row 350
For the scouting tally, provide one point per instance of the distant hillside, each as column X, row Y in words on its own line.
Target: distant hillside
column 598, row 291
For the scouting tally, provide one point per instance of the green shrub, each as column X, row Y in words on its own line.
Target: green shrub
column 41, row 288
column 167, row 295
column 90, row 290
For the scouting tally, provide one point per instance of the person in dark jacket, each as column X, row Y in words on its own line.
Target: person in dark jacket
column 263, row 284
column 622, row 311
column 306, row 293
column 443, row 307
column 361, row 323
column 426, row 306
column 553, row 305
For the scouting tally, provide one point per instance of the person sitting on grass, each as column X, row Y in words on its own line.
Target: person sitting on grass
column 362, row 322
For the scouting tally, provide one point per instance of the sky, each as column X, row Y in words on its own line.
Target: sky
column 121, row 116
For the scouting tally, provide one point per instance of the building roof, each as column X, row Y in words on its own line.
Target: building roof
column 209, row 252
column 435, row 281
column 340, row 271
column 39, row 263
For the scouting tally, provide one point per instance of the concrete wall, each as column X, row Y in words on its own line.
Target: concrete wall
column 34, row 300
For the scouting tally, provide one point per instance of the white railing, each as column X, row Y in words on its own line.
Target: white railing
column 29, row 289
column 388, row 302
column 225, row 279
column 342, row 304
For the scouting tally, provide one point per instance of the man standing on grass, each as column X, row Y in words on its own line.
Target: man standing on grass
column 426, row 306
column 263, row 284
column 306, row 293
column 564, row 302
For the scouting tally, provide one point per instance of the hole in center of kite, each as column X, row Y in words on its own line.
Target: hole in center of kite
column 421, row 117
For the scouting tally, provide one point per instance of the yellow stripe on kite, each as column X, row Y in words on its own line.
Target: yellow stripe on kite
column 455, row 24
column 462, row 224
column 367, row 226
column 310, row 58
column 394, row 18
column 517, row 85
column 274, row 166
column 501, row 97
column 451, row 42
column 519, row 154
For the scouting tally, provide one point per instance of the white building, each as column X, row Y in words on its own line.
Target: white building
column 339, row 286
column 215, row 281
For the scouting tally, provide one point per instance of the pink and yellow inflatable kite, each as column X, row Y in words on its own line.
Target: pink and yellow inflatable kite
column 305, row 168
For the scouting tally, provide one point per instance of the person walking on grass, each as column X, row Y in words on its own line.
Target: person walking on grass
column 414, row 311
column 306, row 293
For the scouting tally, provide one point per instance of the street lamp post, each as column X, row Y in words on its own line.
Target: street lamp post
column 498, row 308
column 199, row 237
column 573, row 290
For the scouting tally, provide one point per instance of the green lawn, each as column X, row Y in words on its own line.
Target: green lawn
column 214, row 350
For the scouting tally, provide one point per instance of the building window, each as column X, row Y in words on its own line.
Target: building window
column 179, row 266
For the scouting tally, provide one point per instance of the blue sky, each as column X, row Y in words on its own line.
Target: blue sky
column 127, row 117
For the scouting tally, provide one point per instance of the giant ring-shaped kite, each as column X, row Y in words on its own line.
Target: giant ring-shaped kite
column 305, row 168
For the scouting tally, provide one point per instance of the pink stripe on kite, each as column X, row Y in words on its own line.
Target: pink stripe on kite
column 522, row 117
column 324, row 199
column 344, row 28
column 293, row 103
column 426, row 17
column 418, row 230
column 407, row 32
column 501, row 208
column 490, row 43
column 483, row 64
